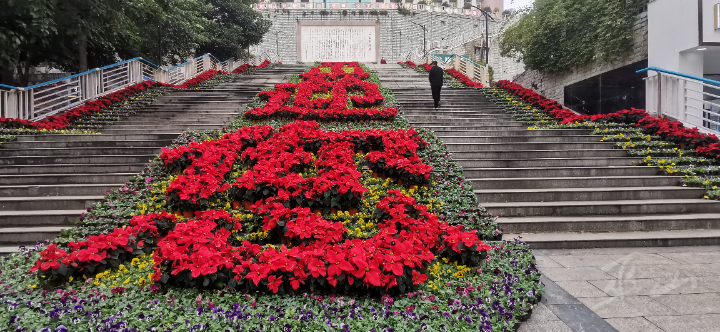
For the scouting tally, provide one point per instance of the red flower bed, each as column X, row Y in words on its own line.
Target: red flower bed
column 463, row 78
column 674, row 131
column 325, row 94
column 321, row 254
column 409, row 63
column 65, row 119
column 294, row 171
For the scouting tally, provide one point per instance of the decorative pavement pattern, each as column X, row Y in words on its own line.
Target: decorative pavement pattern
column 632, row 289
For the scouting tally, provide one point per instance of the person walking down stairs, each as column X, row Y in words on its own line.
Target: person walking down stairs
column 436, row 82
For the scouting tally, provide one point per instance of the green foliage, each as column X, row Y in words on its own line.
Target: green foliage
column 77, row 34
column 559, row 34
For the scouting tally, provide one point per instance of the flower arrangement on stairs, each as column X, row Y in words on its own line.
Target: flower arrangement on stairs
column 369, row 221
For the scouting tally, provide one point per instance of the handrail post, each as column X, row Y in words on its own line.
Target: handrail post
column 659, row 96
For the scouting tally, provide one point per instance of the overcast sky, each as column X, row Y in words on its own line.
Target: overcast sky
column 517, row 3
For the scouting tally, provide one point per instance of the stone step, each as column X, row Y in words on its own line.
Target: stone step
column 77, row 189
column 519, row 139
column 586, row 194
column 72, row 168
column 34, row 203
column 700, row 237
column 511, row 133
column 163, row 128
column 612, row 223
column 93, row 138
column 598, row 208
column 569, row 144
column 174, row 122
column 172, row 131
column 83, row 144
column 466, row 122
column 79, row 151
column 75, row 178
column 78, row 159
column 467, row 126
column 575, row 182
column 23, row 235
column 520, row 154
column 482, row 117
column 536, row 172
column 547, row 162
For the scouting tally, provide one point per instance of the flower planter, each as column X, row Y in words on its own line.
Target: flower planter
column 333, row 211
column 179, row 213
column 248, row 205
column 399, row 182
column 236, row 205
column 188, row 214
column 375, row 175
column 352, row 212
column 414, row 187
column 317, row 211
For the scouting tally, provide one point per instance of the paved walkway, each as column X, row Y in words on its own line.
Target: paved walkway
column 632, row 289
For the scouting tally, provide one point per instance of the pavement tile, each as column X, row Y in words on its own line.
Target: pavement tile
column 626, row 306
column 581, row 289
column 692, row 285
column 541, row 313
column 687, row 323
column 701, row 270
column 545, row 261
column 633, row 324
column 641, row 259
column 551, row 326
column 582, row 260
column 645, row 272
column 693, row 257
column 575, row 273
column 632, row 287
column 691, row 304
column 580, row 318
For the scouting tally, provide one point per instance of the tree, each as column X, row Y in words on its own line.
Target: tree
column 558, row 34
column 232, row 26
column 26, row 29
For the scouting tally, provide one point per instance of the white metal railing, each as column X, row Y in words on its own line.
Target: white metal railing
column 463, row 64
column 694, row 101
column 448, row 44
column 471, row 69
column 45, row 99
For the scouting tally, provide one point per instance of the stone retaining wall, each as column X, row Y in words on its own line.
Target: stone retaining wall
column 552, row 85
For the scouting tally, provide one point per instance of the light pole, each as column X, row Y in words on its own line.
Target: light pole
column 487, row 36
column 424, row 39
column 277, row 43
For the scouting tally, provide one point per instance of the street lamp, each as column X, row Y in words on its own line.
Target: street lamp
column 424, row 39
column 487, row 36
column 277, row 43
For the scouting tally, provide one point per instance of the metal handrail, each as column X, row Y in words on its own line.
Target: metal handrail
column 48, row 98
column 660, row 70
column 682, row 97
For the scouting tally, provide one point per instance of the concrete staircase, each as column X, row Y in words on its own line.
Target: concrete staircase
column 556, row 188
column 47, row 181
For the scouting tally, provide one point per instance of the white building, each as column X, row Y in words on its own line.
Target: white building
column 684, row 40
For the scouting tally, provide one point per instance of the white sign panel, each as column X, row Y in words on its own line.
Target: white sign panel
column 338, row 43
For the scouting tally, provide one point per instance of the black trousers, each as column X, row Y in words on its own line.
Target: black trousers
column 436, row 94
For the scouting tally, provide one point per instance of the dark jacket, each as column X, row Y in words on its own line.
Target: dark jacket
column 436, row 76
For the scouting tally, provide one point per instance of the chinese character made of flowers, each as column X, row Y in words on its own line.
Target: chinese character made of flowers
column 288, row 175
